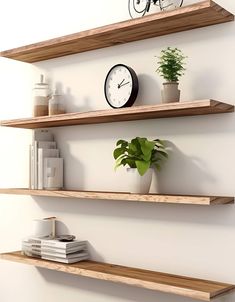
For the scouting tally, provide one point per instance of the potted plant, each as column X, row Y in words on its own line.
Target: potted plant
column 141, row 156
column 171, row 68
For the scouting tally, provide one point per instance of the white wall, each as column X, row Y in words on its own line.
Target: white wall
column 189, row 240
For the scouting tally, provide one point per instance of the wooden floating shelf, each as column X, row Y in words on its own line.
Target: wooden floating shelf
column 197, row 15
column 201, row 107
column 151, row 198
column 184, row 286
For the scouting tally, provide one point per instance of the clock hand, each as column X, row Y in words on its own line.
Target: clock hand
column 119, row 85
column 123, row 84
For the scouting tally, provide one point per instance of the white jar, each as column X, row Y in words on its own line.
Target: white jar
column 56, row 104
column 41, row 97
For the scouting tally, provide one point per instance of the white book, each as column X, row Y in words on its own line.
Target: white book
column 28, row 245
column 36, row 248
column 31, row 250
column 43, row 153
column 42, row 135
column 31, row 167
column 36, row 145
column 32, row 240
column 30, row 175
column 73, row 260
column 54, row 243
column 53, row 173
column 46, row 145
column 60, row 251
column 35, row 169
column 33, row 184
column 30, row 254
column 39, row 135
column 63, row 245
column 70, row 256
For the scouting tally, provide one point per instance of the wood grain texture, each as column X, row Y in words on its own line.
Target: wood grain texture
column 200, row 107
column 150, row 198
column 180, row 285
column 197, row 15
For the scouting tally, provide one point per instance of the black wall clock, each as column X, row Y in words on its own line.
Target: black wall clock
column 121, row 86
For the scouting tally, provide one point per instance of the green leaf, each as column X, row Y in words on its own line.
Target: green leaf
column 135, row 142
column 147, row 147
column 118, row 161
column 146, row 157
column 140, row 153
column 118, row 151
column 122, row 142
column 131, row 163
column 142, row 166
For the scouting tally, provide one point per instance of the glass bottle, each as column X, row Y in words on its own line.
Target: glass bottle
column 56, row 104
column 41, row 97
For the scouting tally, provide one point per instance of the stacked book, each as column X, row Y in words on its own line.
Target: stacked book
column 55, row 250
column 46, row 167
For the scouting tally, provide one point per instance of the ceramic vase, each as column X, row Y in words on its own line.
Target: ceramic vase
column 170, row 92
column 137, row 183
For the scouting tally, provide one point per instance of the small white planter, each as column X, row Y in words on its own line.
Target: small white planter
column 170, row 92
column 137, row 183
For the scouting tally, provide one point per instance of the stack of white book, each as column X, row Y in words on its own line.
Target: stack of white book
column 45, row 164
column 55, row 250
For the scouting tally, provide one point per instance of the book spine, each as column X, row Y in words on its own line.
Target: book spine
column 62, row 245
column 65, row 260
column 40, row 169
column 30, row 175
column 36, row 165
column 48, row 249
column 65, row 256
column 32, row 167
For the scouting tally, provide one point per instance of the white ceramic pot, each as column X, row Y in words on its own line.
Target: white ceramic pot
column 137, row 183
column 170, row 92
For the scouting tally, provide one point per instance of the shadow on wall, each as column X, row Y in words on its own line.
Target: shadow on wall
column 210, row 78
column 69, row 100
column 180, row 170
column 72, row 166
column 61, row 228
column 147, row 84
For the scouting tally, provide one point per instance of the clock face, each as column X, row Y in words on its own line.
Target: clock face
column 121, row 86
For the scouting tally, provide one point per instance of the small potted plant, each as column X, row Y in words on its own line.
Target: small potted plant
column 171, row 68
column 141, row 156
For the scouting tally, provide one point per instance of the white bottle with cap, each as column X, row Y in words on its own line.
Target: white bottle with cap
column 56, row 104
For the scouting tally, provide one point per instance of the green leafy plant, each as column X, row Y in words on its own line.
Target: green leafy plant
column 171, row 64
column 140, row 153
